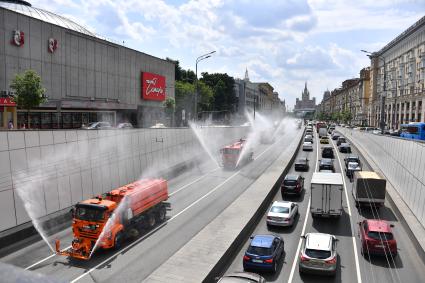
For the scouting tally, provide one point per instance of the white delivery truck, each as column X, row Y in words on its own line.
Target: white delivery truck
column 323, row 132
column 369, row 188
column 326, row 194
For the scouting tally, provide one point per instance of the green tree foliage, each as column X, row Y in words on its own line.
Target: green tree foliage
column 169, row 103
column 29, row 92
column 182, row 74
column 206, row 97
column 223, row 87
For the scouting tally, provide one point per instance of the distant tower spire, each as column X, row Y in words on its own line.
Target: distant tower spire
column 246, row 75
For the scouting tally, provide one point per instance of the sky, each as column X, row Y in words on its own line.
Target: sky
column 283, row 42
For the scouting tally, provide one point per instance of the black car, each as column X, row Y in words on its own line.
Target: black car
column 302, row 164
column 335, row 137
column 292, row 184
column 340, row 141
column 395, row 133
column 344, row 148
column 351, row 158
column 327, row 164
column 328, row 152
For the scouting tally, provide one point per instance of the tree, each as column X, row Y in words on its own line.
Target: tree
column 181, row 74
column 223, row 87
column 29, row 92
column 170, row 105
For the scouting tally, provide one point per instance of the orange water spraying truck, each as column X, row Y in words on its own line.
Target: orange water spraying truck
column 120, row 213
column 231, row 154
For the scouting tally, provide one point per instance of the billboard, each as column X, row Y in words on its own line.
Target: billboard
column 153, row 86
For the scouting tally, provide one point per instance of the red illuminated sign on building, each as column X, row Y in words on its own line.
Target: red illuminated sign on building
column 153, row 86
column 7, row 101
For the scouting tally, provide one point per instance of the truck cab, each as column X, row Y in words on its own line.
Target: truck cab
column 235, row 154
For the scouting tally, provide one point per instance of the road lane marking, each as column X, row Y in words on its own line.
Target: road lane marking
column 193, row 182
column 356, row 257
column 168, row 221
column 295, row 261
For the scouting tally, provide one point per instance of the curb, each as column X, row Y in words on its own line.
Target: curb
column 223, row 263
column 397, row 203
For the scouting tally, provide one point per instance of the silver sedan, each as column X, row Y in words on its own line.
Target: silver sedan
column 282, row 213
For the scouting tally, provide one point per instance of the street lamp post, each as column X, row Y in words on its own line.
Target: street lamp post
column 382, row 120
column 199, row 59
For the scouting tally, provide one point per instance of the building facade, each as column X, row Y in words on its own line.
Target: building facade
column 86, row 77
column 397, row 79
column 305, row 102
column 257, row 95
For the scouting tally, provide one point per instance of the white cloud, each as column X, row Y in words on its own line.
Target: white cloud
column 279, row 41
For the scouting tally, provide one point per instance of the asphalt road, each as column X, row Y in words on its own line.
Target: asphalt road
column 353, row 266
column 196, row 198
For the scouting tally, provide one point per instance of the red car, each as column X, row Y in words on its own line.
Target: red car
column 377, row 237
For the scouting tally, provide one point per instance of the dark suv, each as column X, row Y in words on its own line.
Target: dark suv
column 340, row 141
column 292, row 184
column 327, row 164
column 328, row 152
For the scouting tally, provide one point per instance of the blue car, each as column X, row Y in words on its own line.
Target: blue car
column 264, row 253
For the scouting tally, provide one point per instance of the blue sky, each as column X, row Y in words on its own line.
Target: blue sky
column 283, row 42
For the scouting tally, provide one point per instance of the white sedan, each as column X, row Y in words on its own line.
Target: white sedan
column 282, row 213
column 307, row 146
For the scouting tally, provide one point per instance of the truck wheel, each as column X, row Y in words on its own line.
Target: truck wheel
column 161, row 214
column 151, row 220
column 119, row 237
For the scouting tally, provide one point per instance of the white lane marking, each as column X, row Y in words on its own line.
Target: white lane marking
column 193, row 182
column 295, row 261
column 356, row 257
column 40, row 261
column 169, row 220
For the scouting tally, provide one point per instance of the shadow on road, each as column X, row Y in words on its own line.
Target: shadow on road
column 334, row 226
column 384, row 213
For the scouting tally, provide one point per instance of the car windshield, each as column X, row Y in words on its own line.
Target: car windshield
column 259, row 250
column 279, row 209
column 380, row 235
column 230, row 151
column 353, row 165
column 290, row 182
column 319, row 254
column 89, row 214
column 92, row 124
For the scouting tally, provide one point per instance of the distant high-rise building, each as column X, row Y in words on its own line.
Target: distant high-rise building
column 305, row 103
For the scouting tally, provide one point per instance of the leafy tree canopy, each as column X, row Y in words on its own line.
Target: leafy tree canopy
column 28, row 89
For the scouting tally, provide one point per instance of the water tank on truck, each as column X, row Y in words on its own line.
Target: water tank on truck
column 106, row 221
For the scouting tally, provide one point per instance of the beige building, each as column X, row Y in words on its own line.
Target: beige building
column 397, row 78
column 353, row 96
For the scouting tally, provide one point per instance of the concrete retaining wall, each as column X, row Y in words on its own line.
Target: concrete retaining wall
column 402, row 162
column 52, row 170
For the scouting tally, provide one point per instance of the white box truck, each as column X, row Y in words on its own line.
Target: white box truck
column 326, row 194
column 323, row 132
column 369, row 188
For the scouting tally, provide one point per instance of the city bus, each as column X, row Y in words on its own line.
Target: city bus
column 413, row 131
